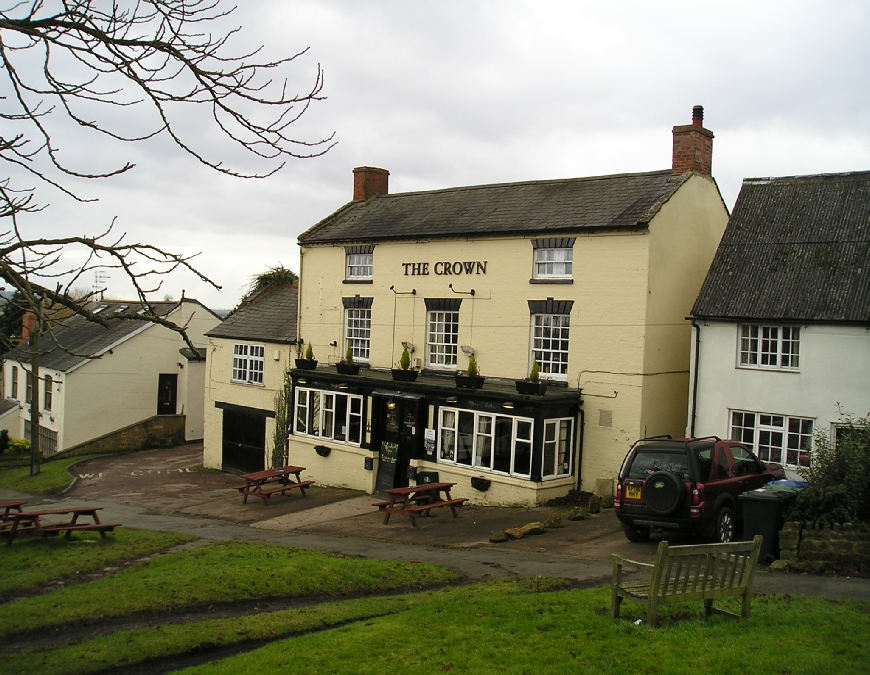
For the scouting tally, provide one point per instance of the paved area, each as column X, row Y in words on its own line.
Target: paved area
column 168, row 490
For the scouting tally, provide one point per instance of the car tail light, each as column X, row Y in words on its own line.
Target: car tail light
column 617, row 500
column 698, row 494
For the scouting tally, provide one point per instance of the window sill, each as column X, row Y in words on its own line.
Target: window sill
column 769, row 369
column 551, row 281
column 357, row 281
column 252, row 384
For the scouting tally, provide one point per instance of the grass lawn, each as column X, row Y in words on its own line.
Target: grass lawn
column 27, row 565
column 219, row 572
column 128, row 648
column 52, row 476
column 488, row 629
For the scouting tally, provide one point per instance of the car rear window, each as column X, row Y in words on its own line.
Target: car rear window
column 648, row 461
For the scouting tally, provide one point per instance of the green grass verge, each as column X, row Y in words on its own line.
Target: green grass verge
column 485, row 630
column 132, row 647
column 27, row 565
column 52, row 476
column 219, row 572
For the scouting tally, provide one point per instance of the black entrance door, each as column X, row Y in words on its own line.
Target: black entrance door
column 244, row 442
column 398, row 421
column 167, row 394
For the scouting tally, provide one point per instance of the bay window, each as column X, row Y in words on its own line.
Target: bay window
column 329, row 415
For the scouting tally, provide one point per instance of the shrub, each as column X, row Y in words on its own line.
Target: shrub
column 348, row 355
column 405, row 360
column 839, row 476
column 4, row 440
column 472, row 367
column 535, row 375
column 309, row 353
column 19, row 445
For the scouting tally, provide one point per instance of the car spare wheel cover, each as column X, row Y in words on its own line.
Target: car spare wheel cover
column 663, row 492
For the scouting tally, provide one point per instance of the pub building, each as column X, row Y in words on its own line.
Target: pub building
column 591, row 278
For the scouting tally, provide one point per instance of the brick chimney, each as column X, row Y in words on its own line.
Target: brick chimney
column 693, row 146
column 369, row 181
column 28, row 320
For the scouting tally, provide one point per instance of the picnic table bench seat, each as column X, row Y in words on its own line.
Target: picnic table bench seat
column 452, row 503
column 705, row 572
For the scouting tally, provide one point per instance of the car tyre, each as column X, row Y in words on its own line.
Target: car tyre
column 724, row 526
column 635, row 534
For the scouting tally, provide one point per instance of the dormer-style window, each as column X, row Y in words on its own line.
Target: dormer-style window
column 553, row 259
column 359, row 263
column 774, row 347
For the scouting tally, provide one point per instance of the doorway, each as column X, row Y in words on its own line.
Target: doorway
column 167, row 394
column 244, row 442
column 399, row 431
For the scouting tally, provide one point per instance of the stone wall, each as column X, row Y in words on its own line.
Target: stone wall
column 160, row 431
column 816, row 544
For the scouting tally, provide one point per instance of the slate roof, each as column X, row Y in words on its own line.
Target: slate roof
column 7, row 405
column 81, row 336
column 537, row 207
column 795, row 249
column 268, row 317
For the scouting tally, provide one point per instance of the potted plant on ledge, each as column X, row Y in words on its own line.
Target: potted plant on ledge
column 347, row 366
column 309, row 362
column 404, row 372
column 533, row 384
column 471, row 379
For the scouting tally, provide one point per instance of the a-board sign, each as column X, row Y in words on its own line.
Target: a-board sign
column 387, row 466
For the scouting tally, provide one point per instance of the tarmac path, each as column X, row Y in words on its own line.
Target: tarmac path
column 165, row 490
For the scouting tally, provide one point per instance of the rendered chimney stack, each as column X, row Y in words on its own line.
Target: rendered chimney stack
column 693, row 146
column 369, row 181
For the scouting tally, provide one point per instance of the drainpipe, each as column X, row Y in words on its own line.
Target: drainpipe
column 580, row 444
column 695, row 377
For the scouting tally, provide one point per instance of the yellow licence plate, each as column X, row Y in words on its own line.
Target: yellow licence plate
column 632, row 491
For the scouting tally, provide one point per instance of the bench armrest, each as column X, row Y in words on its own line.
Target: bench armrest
column 631, row 564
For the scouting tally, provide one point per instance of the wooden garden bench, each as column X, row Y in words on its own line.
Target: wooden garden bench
column 705, row 572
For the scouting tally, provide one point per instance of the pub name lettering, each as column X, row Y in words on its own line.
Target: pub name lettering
column 421, row 269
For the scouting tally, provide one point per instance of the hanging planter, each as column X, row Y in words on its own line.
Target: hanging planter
column 480, row 484
column 322, row 450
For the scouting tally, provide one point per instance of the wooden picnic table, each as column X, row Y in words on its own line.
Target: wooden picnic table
column 8, row 504
column 417, row 500
column 264, row 484
column 34, row 523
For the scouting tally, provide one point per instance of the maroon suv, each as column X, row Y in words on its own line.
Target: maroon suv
column 687, row 484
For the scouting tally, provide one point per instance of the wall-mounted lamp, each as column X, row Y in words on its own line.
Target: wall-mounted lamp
column 343, row 385
column 467, row 350
column 507, row 406
column 452, row 399
column 302, row 380
column 180, row 365
column 409, row 346
column 334, row 343
column 391, row 405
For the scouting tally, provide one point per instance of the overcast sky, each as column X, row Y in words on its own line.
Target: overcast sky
column 456, row 93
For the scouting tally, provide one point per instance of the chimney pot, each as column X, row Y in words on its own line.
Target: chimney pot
column 28, row 320
column 693, row 146
column 369, row 181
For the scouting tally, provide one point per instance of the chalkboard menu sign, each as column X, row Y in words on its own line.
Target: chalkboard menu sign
column 387, row 466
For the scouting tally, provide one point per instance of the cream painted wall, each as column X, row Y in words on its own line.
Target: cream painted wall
column 220, row 388
column 191, row 396
column 49, row 419
column 631, row 293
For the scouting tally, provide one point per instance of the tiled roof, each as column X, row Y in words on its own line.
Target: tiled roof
column 83, row 337
column 269, row 317
column 795, row 249
column 7, row 405
column 537, row 207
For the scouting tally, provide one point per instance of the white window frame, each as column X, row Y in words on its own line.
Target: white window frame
column 559, row 442
column 358, row 332
column 314, row 412
column 483, row 437
column 249, row 362
column 47, row 393
column 542, row 342
column 13, row 385
column 359, row 266
column 768, row 346
column 442, row 346
column 773, row 437
column 553, row 263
